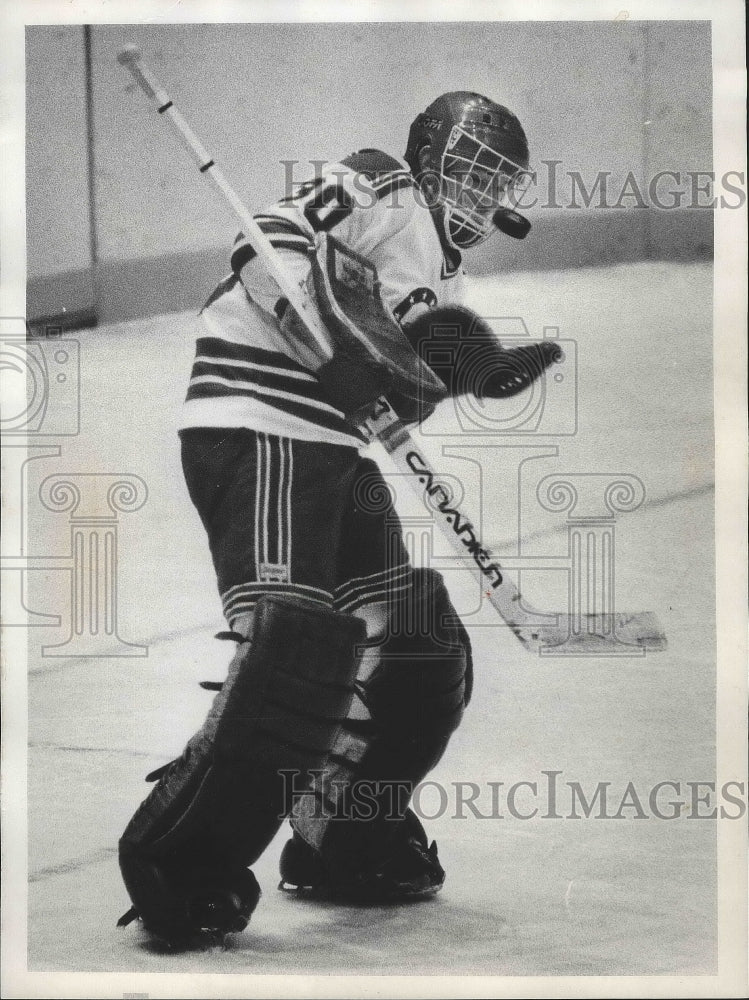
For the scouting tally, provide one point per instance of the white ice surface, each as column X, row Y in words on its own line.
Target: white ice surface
column 535, row 897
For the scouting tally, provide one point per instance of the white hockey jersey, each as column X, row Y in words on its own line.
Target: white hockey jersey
column 245, row 373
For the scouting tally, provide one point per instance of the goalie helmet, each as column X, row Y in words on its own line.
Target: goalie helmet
column 476, row 162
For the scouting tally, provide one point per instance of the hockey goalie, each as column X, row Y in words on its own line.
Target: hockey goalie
column 326, row 683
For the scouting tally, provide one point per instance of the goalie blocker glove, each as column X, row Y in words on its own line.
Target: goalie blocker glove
column 372, row 357
column 463, row 352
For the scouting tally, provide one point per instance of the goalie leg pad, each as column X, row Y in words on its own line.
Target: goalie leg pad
column 415, row 698
column 218, row 806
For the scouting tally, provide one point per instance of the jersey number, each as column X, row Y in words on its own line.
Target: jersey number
column 327, row 203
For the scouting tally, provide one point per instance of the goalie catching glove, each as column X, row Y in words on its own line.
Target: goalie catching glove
column 373, row 356
column 462, row 350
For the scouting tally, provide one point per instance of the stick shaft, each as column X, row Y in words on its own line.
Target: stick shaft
column 260, row 242
column 459, row 531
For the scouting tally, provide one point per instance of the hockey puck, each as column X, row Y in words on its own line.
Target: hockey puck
column 511, row 223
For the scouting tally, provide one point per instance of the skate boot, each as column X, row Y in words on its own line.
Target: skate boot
column 409, row 870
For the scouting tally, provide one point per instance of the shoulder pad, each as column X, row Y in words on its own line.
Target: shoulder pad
column 375, row 164
column 384, row 172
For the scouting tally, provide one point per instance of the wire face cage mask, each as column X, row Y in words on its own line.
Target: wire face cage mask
column 475, row 180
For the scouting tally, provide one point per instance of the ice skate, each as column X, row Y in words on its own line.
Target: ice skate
column 200, row 907
column 409, row 871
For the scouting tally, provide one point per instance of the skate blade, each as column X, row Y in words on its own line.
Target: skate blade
column 398, row 894
column 198, row 941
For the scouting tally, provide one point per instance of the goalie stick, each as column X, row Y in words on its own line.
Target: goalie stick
column 537, row 631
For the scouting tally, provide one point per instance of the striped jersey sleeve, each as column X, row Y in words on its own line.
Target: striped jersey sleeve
column 290, row 239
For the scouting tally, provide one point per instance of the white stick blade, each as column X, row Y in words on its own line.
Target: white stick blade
column 604, row 634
